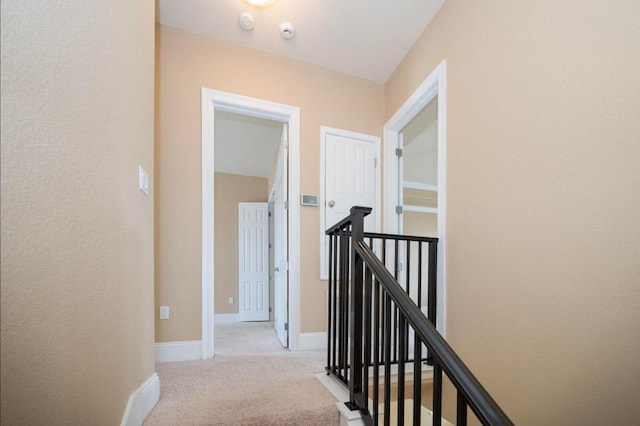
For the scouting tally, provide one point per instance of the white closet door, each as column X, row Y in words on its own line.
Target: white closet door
column 350, row 179
column 253, row 261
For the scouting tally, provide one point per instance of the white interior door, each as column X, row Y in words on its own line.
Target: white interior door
column 418, row 173
column 350, row 179
column 280, row 239
column 253, row 261
column 418, row 185
column 428, row 204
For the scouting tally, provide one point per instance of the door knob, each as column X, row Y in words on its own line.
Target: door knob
column 331, row 203
column 276, row 269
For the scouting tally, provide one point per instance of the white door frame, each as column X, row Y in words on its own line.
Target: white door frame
column 435, row 84
column 213, row 100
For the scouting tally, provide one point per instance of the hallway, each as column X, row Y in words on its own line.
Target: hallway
column 252, row 380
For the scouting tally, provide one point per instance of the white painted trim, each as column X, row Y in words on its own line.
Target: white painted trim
column 207, row 225
column 412, row 106
column 141, row 402
column 324, row 272
column 338, row 389
column 427, row 373
column 434, row 84
column 420, row 186
column 187, row 350
column 341, row 393
column 313, row 341
column 348, row 417
column 324, row 131
column 226, row 318
column 419, row 209
column 215, row 100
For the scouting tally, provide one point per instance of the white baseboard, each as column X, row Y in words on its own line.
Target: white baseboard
column 338, row 389
column 141, row 402
column 188, row 350
column 225, row 318
column 348, row 417
column 313, row 341
column 341, row 394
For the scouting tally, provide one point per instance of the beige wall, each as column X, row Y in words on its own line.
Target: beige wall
column 187, row 62
column 77, row 234
column 229, row 190
column 543, row 139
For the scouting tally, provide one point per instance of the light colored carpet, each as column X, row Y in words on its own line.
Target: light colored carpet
column 252, row 380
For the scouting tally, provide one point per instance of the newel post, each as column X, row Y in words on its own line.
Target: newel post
column 355, row 313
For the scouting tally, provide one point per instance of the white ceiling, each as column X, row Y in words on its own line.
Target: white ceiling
column 362, row 38
column 245, row 145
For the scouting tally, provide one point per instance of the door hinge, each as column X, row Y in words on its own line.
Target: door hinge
column 286, row 326
column 286, row 205
column 398, row 152
column 398, row 209
column 269, row 214
column 375, row 162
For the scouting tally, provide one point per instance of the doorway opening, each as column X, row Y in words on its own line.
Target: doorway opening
column 216, row 102
column 415, row 195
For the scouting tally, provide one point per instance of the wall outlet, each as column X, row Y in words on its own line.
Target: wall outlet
column 164, row 312
column 231, row 300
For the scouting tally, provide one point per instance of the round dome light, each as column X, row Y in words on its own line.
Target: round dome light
column 260, row 3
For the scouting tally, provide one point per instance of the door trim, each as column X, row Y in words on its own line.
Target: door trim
column 434, row 84
column 216, row 100
column 324, row 131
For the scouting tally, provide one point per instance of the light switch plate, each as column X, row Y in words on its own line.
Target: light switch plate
column 143, row 180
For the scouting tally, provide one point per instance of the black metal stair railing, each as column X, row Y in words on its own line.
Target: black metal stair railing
column 413, row 260
column 375, row 322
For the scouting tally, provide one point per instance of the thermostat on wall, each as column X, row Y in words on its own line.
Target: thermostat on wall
column 309, row 200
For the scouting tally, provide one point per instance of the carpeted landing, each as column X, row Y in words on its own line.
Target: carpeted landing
column 252, row 380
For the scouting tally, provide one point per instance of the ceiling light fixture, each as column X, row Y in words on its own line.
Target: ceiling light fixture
column 260, row 3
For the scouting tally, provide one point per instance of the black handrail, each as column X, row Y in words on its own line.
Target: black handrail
column 478, row 399
column 370, row 312
column 418, row 257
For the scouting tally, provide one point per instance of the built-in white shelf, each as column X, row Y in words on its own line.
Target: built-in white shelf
column 421, row 186
column 419, row 209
